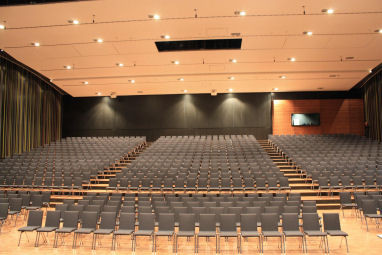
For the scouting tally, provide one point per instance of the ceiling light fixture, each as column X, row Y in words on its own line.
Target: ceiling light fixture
column 68, row 67
column 131, row 81
column 74, row 21
column 85, row 82
column 282, row 77
column 292, row 59
column 98, row 40
column 165, row 37
column 328, row 11
column 2, row 26
column 154, row 16
column 181, row 79
column 230, row 90
column 231, row 78
column 370, row 70
column 98, row 93
column 36, row 44
column 308, row 33
column 377, row 31
column 233, row 60
column 275, row 89
column 240, row 13
column 176, row 62
column 185, row 91
column 120, row 64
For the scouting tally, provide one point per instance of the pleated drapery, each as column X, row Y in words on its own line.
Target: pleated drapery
column 373, row 106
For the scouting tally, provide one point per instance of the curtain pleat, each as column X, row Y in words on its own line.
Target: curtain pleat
column 30, row 111
column 373, row 106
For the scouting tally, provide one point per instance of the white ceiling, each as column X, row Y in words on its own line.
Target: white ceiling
column 272, row 32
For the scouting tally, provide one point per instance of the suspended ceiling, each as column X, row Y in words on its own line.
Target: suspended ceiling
column 343, row 48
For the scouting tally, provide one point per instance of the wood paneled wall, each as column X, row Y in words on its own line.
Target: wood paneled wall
column 338, row 116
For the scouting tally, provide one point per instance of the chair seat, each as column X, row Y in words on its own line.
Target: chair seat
column 185, row 233
column 250, row 234
column 84, row 230
column 33, row 207
column 144, row 233
column 349, row 205
column 337, row 233
column 207, row 233
column 164, row 233
column 46, row 229
column 228, row 234
column 28, row 228
column 123, row 232
column 293, row 233
column 373, row 215
column 65, row 230
column 103, row 231
column 315, row 233
column 13, row 212
column 271, row 233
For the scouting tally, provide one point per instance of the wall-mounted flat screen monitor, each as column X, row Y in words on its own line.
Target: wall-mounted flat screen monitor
column 305, row 119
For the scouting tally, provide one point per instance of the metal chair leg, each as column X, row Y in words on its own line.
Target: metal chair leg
column 20, row 238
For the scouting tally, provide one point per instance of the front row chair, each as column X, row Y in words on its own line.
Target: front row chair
column 207, row 228
column 145, row 228
column 3, row 213
column 186, row 229
column 34, row 222
column 369, row 209
column 269, row 227
column 88, row 226
column 311, row 226
column 106, row 227
column 248, row 225
column 228, row 228
column 333, row 227
column 52, row 222
column 291, row 228
column 126, row 227
column 165, row 228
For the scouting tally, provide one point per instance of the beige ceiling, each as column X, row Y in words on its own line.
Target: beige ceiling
column 272, row 32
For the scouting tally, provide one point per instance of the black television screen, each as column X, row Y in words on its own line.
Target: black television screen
column 305, row 119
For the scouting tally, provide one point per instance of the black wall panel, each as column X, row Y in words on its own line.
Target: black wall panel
column 154, row 116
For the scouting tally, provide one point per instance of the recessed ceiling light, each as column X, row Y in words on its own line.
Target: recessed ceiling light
column 68, row 67
column 282, row 77
column 176, row 62
column 2, row 26
column 154, row 16
column 292, row 59
column 181, row 79
column 131, row 81
column 185, row 91
column 377, row 31
column 235, row 34
column 370, row 70
column 85, row 82
column 233, row 60
column 275, row 89
column 230, row 90
column 98, row 93
column 74, row 21
column 231, row 78
column 241, row 13
column 51, row 80
column 308, row 33
column 120, row 64
column 98, row 40
column 165, row 36
column 36, row 44
column 328, row 11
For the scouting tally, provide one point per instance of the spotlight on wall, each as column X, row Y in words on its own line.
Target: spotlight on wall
column 232, row 60
column 154, row 16
column 240, row 13
column 308, row 33
column 98, row 93
column 328, row 11
column 120, row 64
column 214, row 92
column 292, row 59
column 85, row 82
column 2, row 26
column 74, row 21
column 165, row 37
column 98, row 40
column 68, row 67
column 36, row 44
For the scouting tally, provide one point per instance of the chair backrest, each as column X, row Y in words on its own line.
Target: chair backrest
column 186, row 222
column 53, row 219
column 369, row 206
column 70, row 219
column 207, row 222
column 310, row 221
column 309, row 209
column 4, row 210
column 15, row 204
column 345, row 198
column 108, row 220
column 35, row 218
column 248, row 222
column 228, row 222
column 146, row 221
column 166, row 221
column 127, row 221
column 89, row 219
column 290, row 222
column 331, row 221
column 269, row 221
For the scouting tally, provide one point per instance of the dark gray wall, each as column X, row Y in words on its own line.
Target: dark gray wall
column 154, row 116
